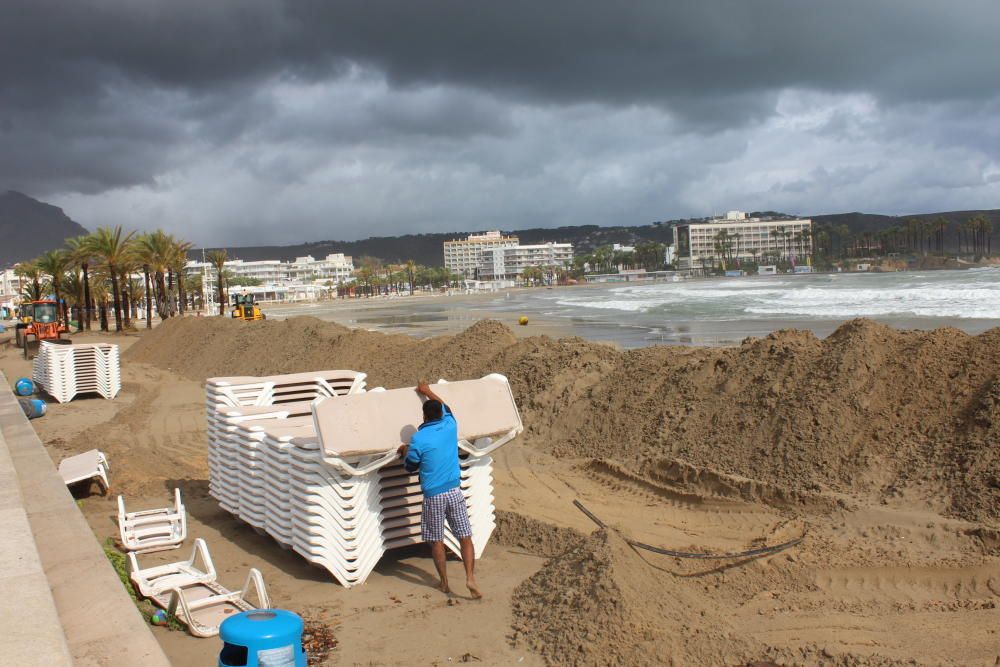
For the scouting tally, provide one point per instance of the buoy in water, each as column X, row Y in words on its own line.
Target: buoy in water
column 523, row 321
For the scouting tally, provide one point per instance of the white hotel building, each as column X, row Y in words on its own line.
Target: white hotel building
column 282, row 280
column 748, row 239
column 465, row 256
column 509, row 263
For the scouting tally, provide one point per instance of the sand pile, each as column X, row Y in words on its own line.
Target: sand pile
column 534, row 536
column 869, row 409
column 600, row 604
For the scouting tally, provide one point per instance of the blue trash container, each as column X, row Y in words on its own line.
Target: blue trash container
column 33, row 408
column 24, row 387
column 262, row 638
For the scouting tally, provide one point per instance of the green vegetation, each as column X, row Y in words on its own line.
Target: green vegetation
column 145, row 607
column 243, row 281
column 372, row 278
column 97, row 273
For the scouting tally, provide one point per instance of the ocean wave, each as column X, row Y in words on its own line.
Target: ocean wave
column 966, row 294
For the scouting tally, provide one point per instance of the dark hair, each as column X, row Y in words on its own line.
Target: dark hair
column 432, row 410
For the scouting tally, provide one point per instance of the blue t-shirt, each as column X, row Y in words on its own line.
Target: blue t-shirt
column 434, row 452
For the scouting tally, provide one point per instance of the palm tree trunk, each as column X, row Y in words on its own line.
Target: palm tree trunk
column 222, row 297
column 81, row 307
column 88, row 317
column 126, row 301
column 181, row 296
column 104, row 314
column 161, row 296
column 116, row 293
column 149, row 296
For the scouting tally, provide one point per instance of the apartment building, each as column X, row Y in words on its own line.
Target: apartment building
column 336, row 268
column 738, row 237
column 10, row 287
column 509, row 263
column 464, row 256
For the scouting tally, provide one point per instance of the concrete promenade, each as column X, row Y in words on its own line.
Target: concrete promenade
column 61, row 602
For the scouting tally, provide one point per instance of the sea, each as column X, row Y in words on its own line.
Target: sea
column 706, row 311
column 724, row 311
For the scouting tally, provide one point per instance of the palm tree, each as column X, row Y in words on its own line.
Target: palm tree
column 156, row 251
column 411, row 272
column 113, row 246
column 54, row 263
column 29, row 271
column 74, row 291
column 80, row 251
column 217, row 258
column 179, row 261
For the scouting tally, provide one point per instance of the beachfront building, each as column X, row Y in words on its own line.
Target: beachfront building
column 736, row 238
column 509, row 263
column 305, row 278
column 10, row 286
column 465, row 256
column 336, row 268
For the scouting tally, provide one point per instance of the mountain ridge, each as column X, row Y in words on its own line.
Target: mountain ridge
column 29, row 227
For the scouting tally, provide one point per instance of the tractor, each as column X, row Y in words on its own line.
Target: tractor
column 44, row 324
column 244, row 308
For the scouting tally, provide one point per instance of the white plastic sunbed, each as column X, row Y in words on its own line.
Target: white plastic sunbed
column 373, row 425
column 91, row 465
column 203, row 606
column 161, row 579
column 153, row 530
column 330, row 485
column 190, row 591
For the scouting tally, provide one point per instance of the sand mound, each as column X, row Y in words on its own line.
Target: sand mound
column 600, row 604
column 868, row 410
column 534, row 536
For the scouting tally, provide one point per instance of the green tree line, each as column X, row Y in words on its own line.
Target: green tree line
column 95, row 276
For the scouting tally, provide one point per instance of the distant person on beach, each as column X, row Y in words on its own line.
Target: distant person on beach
column 433, row 451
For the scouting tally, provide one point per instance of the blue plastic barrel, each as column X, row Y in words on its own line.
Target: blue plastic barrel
column 24, row 387
column 262, row 638
column 32, row 407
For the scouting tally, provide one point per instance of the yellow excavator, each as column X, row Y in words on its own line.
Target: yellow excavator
column 244, row 308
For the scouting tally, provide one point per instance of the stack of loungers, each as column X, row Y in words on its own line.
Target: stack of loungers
column 322, row 477
column 64, row 371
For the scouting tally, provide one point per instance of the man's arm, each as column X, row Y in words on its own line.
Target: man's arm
column 425, row 389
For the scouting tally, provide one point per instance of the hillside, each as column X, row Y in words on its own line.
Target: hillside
column 29, row 227
column 426, row 248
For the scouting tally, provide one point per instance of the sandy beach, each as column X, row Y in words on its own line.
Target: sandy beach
column 878, row 445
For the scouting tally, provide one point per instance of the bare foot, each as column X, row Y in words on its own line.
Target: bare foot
column 444, row 588
column 474, row 589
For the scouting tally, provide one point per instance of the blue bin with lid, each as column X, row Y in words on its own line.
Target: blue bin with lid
column 262, row 638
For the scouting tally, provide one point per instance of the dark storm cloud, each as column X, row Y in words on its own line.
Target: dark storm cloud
column 523, row 109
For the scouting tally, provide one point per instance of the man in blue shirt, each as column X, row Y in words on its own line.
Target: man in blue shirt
column 433, row 451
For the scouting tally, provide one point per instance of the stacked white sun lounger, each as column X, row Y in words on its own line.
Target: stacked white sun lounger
column 64, row 371
column 323, row 477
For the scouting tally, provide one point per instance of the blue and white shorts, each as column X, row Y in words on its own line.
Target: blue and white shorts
column 449, row 505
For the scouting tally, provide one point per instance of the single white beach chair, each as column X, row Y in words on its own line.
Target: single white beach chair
column 90, row 465
column 203, row 606
column 161, row 579
column 153, row 530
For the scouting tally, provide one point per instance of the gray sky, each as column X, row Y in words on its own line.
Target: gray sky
column 261, row 121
